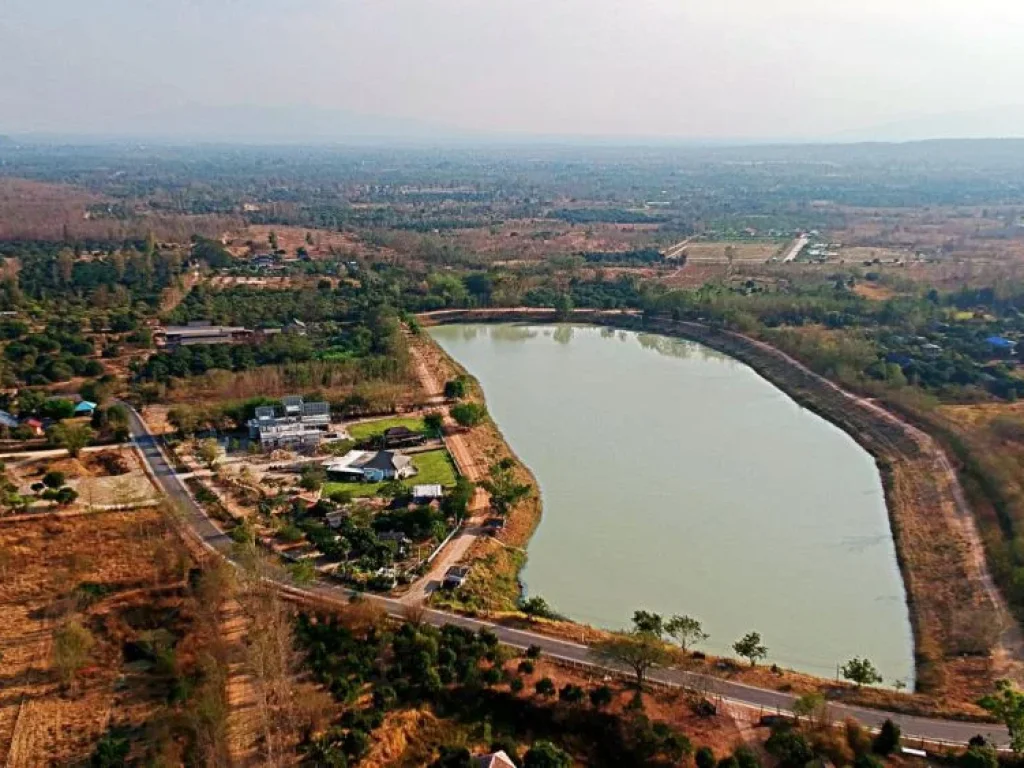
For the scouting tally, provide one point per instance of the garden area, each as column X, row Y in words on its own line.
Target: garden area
column 433, row 468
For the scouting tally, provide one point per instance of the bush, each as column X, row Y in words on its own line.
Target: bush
column 545, row 687
column 525, row 667
column 290, row 534
column 516, row 685
column 533, row 652
column 978, row 756
column 888, row 738
column 53, row 479
column 790, row 748
column 469, row 414
column 746, row 757
column 704, row 758
column 544, row 754
column 571, row 694
column 601, row 696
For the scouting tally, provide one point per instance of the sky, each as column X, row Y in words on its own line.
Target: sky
column 651, row 69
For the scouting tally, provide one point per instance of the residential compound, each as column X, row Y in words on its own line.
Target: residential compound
column 199, row 332
column 370, row 466
column 297, row 424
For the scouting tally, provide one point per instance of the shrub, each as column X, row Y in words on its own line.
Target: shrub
column 789, row 747
column 978, row 756
column 516, row 685
column 704, row 758
column 746, row 757
column 571, row 694
column 888, row 738
column 601, row 696
column 53, row 479
column 526, row 667
column 533, row 652
column 544, row 754
column 545, row 687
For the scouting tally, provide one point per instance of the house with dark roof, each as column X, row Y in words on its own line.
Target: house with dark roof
column 401, row 437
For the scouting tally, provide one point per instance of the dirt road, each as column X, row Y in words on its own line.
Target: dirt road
column 469, row 467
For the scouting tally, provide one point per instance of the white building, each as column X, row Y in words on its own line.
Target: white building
column 302, row 424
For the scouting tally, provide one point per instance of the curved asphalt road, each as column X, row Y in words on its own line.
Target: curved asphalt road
column 914, row 728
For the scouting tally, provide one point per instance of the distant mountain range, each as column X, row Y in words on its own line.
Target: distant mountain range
column 318, row 125
column 261, row 125
column 991, row 123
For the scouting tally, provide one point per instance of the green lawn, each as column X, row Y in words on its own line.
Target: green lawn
column 368, row 429
column 434, row 468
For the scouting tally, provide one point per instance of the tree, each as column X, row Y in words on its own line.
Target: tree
column 184, row 418
column 72, row 437
column 313, row 477
column 538, row 606
column 72, row 645
column 571, row 694
column 545, row 687
column 455, row 389
column 888, row 738
column 637, row 650
column 686, row 631
column 979, row 756
column 303, row 572
column 53, row 479
column 645, row 621
column 469, row 414
column 813, row 707
column 750, row 648
column 544, row 754
column 208, row 452
column 1007, row 704
column 505, row 490
column 66, row 496
column 861, row 672
column 433, row 421
column 789, row 747
column 601, row 696
column 704, row 758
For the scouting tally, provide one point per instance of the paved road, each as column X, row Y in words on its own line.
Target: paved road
column 932, row 730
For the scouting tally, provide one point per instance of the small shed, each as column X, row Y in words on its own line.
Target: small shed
column 7, row 420
column 37, row 427
column 424, row 493
column 1001, row 342
column 85, row 408
column 455, row 577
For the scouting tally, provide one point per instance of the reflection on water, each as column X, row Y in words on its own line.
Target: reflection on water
column 683, row 482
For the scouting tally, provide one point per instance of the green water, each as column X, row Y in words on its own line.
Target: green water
column 677, row 480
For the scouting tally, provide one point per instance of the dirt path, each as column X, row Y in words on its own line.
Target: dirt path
column 243, row 727
column 458, row 445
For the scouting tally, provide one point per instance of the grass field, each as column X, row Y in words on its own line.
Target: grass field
column 434, row 468
column 761, row 250
column 367, row 429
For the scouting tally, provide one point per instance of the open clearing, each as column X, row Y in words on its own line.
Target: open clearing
column 741, row 251
column 364, row 430
column 104, row 570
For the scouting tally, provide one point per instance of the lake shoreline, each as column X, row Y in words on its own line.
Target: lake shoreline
column 927, row 566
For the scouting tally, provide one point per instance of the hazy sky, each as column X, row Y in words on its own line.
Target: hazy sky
column 671, row 68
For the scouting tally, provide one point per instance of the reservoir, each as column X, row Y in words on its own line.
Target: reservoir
column 675, row 479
